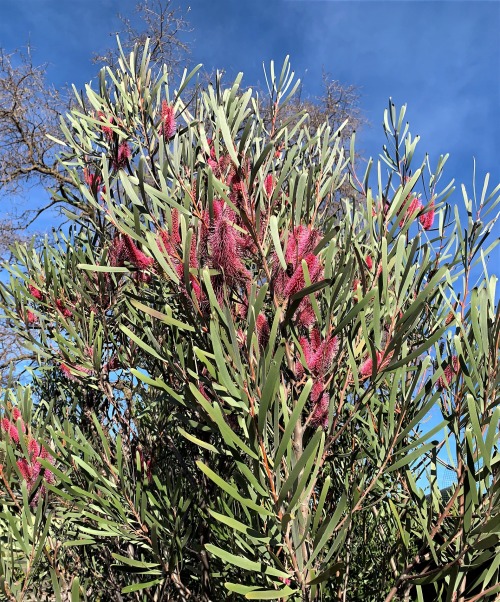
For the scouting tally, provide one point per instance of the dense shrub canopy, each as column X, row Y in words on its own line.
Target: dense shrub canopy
column 237, row 362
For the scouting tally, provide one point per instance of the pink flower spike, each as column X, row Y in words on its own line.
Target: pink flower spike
column 323, row 358
column 223, row 241
column 31, row 317
column 414, row 208
column 117, row 252
column 25, row 470
column 10, row 429
column 135, row 256
column 317, row 391
column 123, row 156
column 366, row 368
column 305, row 314
column 168, row 124
column 319, row 416
column 34, row 450
column 263, row 330
column 93, row 181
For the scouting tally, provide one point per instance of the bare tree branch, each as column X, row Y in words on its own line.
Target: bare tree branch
column 164, row 25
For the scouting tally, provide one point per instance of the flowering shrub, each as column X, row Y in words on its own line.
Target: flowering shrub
column 239, row 365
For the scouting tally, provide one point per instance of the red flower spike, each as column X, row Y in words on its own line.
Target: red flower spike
column 299, row 246
column 93, row 181
column 142, row 277
column 113, row 364
column 117, row 252
column 167, row 241
column 168, row 125
column 297, row 281
column 366, row 368
column 30, row 470
column 269, row 185
column 301, row 243
column 106, row 130
column 323, row 358
column 427, row 219
column 319, row 354
column 449, row 374
column 63, row 309
column 308, row 356
column 35, row 292
column 369, row 262
column 317, row 391
column 33, row 449
column 67, row 371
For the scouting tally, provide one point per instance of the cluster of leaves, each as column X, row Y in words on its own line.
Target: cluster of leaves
column 234, row 368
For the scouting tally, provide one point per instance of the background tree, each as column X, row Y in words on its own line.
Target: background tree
column 30, row 113
column 233, row 380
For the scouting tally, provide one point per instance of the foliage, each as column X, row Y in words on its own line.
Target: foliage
column 31, row 107
column 234, row 375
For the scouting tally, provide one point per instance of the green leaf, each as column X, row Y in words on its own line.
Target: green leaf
column 273, row 224
column 332, row 570
column 244, row 563
column 239, row 561
column 239, row 526
column 271, row 384
column 138, row 586
column 324, row 534
column 160, row 316
column 140, row 342
column 75, row 590
column 85, row 466
column 271, row 594
column 409, row 458
column 240, row 589
column 309, row 451
column 232, row 491
column 102, row 268
column 287, row 434
column 135, row 563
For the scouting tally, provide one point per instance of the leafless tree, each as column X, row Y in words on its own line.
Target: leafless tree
column 29, row 112
column 163, row 24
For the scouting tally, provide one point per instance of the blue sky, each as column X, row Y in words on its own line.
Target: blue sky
column 442, row 58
